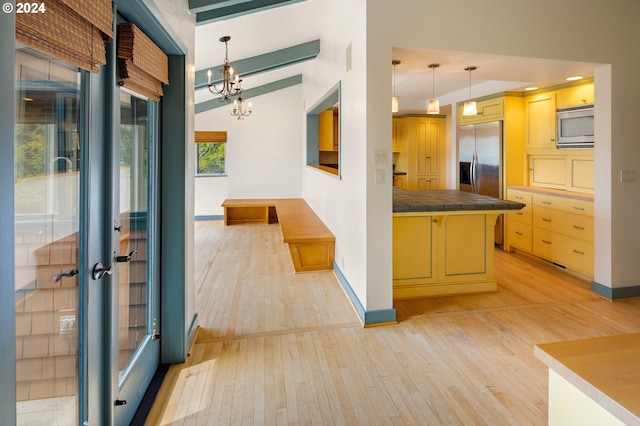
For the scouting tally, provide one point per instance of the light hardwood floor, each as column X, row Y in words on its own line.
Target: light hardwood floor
column 277, row 348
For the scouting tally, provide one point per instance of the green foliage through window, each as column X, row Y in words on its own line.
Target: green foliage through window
column 210, row 159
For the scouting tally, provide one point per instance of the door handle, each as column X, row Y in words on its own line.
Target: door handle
column 126, row 257
column 99, row 271
column 69, row 273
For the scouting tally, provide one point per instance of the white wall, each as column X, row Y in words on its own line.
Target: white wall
column 263, row 153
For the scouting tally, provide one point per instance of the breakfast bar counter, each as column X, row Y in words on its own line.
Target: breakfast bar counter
column 593, row 381
column 443, row 242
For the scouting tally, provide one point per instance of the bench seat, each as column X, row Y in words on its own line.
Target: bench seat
column 311, row 243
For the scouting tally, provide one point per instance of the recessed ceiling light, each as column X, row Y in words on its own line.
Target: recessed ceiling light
column 531, row 88
column 574, row 78
column 27, row 99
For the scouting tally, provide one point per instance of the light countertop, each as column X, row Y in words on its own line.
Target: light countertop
column 606, row 369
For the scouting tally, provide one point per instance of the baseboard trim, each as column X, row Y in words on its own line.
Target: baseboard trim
column 367, row 318
column 615, row 293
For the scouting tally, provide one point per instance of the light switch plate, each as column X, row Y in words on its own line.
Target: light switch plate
column 380, row 176
column 627, row 176
column 379, row 157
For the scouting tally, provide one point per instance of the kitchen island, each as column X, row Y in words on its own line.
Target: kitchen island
column 443, row 242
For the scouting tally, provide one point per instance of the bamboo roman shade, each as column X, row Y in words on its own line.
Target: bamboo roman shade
column 142, row 66
column 211, row 137
column 71, row 30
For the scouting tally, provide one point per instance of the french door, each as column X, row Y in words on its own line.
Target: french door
column 87, row 311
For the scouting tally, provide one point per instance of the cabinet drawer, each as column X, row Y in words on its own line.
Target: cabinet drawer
column 519, row 196
column 523, row 216
column 546, row 244
column 570, row 205
column 578, row 255
column 570, row 252
column 569, row 224
column 520, row 236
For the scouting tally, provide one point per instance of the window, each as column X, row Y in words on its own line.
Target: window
column 210, row 153
column 323, row 133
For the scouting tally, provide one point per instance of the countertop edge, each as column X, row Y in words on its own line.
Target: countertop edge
column 554, row 192
column 598, row 396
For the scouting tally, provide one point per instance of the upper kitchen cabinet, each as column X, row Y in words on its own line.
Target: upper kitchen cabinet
column 328, row 130
column 541, row 121
column 576, row 95
column 488, row 110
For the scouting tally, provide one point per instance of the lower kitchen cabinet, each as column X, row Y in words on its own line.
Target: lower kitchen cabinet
column 443, row 254
column 556, row 226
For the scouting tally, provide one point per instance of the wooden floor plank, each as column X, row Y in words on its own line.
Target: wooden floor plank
column 281, row 348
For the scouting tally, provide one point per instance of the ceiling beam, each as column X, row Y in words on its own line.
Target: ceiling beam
column 251, row 93
column 262, row 63
column 217, row 10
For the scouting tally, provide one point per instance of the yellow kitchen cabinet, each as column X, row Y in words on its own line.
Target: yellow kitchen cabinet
column 547, row 171
column 425, row 139
column 581, row 94
column 394, row 136
column 412, row 247
column 570, row 172
column 560, row 228
column 443, row 253
column 541, row 121
column 427, row 183
column 488, row 110
column 518, row 226
column 327, row 131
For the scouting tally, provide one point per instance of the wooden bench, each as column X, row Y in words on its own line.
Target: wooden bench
column 311, row 243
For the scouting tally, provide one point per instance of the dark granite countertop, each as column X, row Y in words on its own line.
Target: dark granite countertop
column 447, row 200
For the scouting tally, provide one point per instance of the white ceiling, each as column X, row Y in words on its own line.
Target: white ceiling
column 297, row 23
column 494, row 73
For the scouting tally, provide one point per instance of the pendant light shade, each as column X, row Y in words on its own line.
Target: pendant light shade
column 470, row 107
column 433, row 106
column 394, row 98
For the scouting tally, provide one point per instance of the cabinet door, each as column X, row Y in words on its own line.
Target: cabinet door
column 427, row 183
column 575, row 96
column 548, row 172
column 428, row 142
column 394, row 136
column 325, row 131
column 541, row 122
column 412, row 247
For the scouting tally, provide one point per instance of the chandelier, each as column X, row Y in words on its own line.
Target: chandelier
column 240, row 110
column 231, row 85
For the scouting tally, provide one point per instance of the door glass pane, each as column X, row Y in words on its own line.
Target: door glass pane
column 47, row 170
column 134, row 200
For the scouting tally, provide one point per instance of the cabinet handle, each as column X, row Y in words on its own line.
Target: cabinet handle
column 578, row 251
column 544, row 219
column 520, row 214
column 578, row 208
column 546, row 202
column 579, row 228
column 546, row 242
column 519, row 233
column 518, row 198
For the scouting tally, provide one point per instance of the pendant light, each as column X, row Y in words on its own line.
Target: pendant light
column 394, row 98
column 433, row 106
column 470, row 107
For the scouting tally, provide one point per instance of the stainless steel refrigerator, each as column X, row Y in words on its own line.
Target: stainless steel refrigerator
column 480, row 162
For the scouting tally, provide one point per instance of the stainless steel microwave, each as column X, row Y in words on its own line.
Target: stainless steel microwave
column 574, row 127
